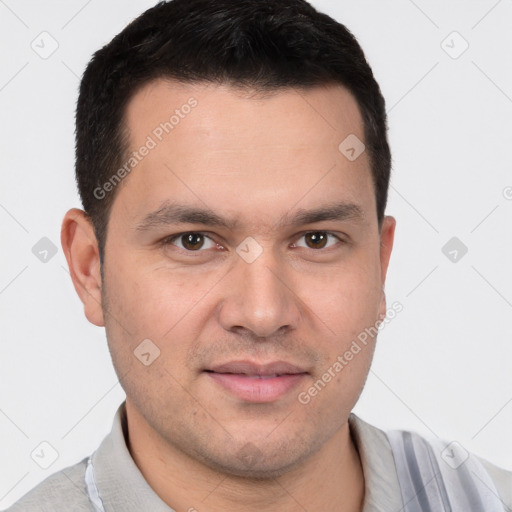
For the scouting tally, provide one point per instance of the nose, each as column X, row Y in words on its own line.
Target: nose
column 259, row 298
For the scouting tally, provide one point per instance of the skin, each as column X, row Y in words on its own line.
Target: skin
column 257, row 159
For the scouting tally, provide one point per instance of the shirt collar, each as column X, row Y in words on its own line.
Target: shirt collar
column 122, row 486
column 120, row 483
column 382, row 489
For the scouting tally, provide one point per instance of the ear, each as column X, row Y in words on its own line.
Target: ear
column 80, row 246
column 387, row 235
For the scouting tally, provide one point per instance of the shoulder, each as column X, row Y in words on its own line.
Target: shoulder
column 437, row 456
column 502, row 479
column 487, row 478
column 64, row 490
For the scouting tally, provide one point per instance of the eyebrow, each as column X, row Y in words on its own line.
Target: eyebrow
column 178, row 213
column 336, row 212
column 182, row 214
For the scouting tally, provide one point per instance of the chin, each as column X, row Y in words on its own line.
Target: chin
column 249, row 462
column 261, row 471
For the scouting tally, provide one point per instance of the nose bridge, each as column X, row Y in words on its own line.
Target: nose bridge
column 259, row 300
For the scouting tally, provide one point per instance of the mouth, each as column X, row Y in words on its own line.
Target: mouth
column 257, row 383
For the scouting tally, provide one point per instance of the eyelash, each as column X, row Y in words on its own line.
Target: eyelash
column 170, row 239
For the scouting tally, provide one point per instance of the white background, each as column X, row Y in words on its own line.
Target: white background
column 443, row 366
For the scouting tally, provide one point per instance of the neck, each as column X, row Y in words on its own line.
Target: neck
column 331, row 480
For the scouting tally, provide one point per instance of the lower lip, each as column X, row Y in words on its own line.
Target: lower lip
column 253, row 389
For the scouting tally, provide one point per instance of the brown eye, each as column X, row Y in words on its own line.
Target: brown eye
column 192, row 241
column 316, row 239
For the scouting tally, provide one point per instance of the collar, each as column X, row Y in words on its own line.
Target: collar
column 381, row 486
column 120, row 483
column 122, row 486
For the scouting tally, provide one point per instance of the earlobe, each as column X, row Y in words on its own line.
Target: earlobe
column 387, row 235
column 80, row 247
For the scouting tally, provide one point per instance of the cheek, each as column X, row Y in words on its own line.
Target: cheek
column 149, row 305
column 347, row 299
column 159, row 304
column 152, row 301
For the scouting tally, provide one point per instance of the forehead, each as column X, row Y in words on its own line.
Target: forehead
column 225, row 114
column 231, row 146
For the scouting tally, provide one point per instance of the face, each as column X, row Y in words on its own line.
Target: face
column 245, row 246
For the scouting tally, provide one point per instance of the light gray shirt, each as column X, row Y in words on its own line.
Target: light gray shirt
column 122, row 488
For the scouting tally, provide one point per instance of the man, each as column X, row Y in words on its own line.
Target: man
column 233, row 165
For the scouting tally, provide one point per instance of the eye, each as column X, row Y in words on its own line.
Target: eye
column 192, row 241
column 317, row 240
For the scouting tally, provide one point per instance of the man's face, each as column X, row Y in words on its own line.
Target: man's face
column 246, row 247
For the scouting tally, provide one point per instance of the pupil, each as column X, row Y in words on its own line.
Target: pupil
column 192, row 241
column 316, row 240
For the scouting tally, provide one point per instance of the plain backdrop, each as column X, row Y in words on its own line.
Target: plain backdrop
column 443, row 366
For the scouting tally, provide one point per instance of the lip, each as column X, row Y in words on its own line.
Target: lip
column 255, row 369
column 258, row 383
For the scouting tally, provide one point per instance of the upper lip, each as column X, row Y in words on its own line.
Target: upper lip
column 251, row 368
